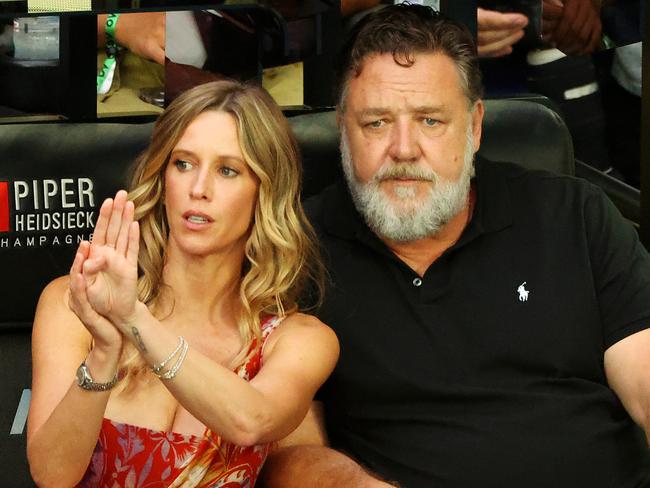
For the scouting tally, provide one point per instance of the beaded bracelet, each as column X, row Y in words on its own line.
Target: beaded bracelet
column 160, row 366
column 172, row 372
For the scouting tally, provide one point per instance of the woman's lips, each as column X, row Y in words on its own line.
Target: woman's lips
column 196, row 220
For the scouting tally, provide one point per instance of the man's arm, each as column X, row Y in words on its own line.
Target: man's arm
column 498, row 32
column 627, row 366
column 302, row 459
column 142, row 33
column 573, row 26
column 621, row 271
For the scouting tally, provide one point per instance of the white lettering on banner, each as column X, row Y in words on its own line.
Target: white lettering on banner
column 42, row 240
column 50, row 206
column 65, row 192
column 36, row 199
column 20, row 221
column 44, row 193
column 50, row 189
column 21, row 190
column 54, row 221
column 86, row 188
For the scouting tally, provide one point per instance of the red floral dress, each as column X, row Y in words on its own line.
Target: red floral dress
column 128, row 456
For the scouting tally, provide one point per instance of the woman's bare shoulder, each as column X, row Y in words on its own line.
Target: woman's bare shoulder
column 306, row 323
column 304, row 327
column 57, row 288
column 300, row 319
column 54, row 297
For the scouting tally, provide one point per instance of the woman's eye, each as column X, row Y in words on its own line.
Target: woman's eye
column 228, row 172
column 182, row 165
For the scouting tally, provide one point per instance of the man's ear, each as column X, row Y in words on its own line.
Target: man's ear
column 477, row 123
column 339, row 118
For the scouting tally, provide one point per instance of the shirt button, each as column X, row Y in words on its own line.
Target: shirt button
column 417, row 282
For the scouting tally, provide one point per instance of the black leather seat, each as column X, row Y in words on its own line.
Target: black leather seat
column 68, row 169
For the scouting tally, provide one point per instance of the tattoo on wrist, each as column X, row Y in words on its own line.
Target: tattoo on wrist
column 138, row 339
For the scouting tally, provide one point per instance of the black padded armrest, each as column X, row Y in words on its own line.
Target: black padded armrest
column 626, row 198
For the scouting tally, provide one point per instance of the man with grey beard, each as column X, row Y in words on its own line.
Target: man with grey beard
column 417, row 219
column 493, row 322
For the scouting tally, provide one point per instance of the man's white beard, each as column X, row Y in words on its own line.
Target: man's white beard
column 405, row 217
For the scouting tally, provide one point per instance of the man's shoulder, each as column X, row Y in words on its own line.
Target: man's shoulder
column 533, row 183
column 517, row 171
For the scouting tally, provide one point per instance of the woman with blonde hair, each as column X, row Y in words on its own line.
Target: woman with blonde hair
column 181, row 317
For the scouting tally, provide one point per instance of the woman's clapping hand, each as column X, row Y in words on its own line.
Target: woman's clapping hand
column 104, row 276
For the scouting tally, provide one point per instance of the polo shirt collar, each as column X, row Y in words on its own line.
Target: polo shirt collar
column 492, row 210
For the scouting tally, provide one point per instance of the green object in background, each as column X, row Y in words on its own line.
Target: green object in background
column 107, row 71
column 607, row 42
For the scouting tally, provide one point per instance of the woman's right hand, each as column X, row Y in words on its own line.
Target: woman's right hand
column 105, row 335
column 111, row 270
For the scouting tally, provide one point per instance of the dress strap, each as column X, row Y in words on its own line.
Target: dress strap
column 269, row 324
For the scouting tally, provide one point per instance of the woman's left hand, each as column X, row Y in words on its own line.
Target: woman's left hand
column 111, row 270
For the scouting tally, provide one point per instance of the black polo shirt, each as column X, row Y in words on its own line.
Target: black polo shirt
column 488, row 370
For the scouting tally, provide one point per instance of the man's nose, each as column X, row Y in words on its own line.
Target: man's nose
column 404, row 144
column 200, row 185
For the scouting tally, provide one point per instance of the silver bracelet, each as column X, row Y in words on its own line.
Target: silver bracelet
column 168, row 375
column 159, row 367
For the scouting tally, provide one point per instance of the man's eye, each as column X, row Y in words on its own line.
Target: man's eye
column 182, row 165
column 430, row 122
column 228, row 172
column 376, row 124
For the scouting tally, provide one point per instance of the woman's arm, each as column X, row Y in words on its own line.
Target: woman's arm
column 299, row 356
column 303, row 459
column 64, row 419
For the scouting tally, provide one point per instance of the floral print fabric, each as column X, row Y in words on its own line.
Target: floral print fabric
column 129, row 456
column 132, row 456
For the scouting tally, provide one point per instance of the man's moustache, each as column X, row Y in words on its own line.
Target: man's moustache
column 398, row 173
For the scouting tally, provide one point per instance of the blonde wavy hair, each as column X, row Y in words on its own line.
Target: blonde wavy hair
column 281, row 255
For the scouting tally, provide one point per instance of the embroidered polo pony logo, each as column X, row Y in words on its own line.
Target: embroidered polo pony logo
column 523, row 293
